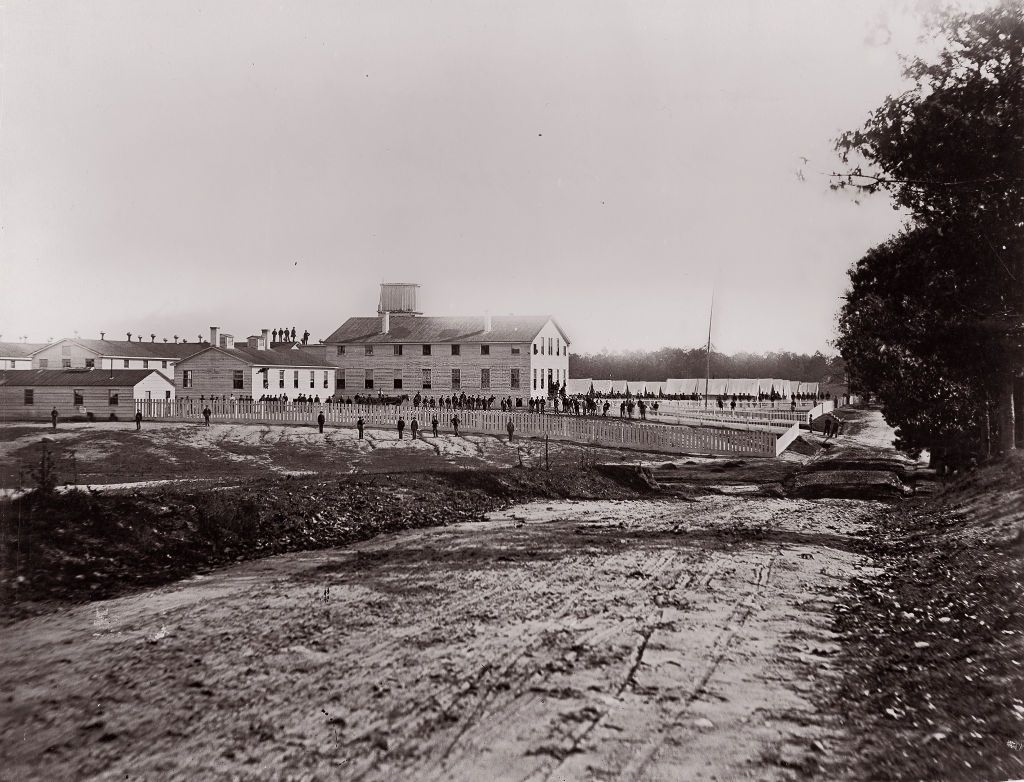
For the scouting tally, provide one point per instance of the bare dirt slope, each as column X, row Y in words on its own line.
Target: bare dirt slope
column 641, row 639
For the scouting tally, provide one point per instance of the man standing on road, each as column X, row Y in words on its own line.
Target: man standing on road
column 53, row 418
column 138, row 420
column 206, row 414
column 414, row 427
column 433, row 424
column 320, row 421
column 455, row 424
column 359, row 426
column 511, row 429
column 401, row 427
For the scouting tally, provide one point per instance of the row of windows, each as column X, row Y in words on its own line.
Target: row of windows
column 427, row 350
column 556, row 378
column 90, row 363
column 426, row 380
column 188, row 378
column 554, row 345
column 78, row 397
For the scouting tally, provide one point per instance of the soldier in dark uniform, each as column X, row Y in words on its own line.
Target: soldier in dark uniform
column 359, row 426
column 320, row 421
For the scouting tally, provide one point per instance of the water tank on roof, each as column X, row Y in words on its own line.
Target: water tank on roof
column 398, row 298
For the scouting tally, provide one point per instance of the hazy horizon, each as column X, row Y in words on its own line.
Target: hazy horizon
column 167, row 167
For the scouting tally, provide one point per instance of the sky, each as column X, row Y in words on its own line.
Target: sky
column 168, row 166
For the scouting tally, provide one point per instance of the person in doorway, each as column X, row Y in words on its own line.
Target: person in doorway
column 359, row 426
column 320, row 421
column 138, row 420
column 53, row 418
column 207, row 412
column 401, row 427
column 414, row 427
column 511, row 429
column 433, row 425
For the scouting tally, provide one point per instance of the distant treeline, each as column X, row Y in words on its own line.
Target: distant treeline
column 684, row 363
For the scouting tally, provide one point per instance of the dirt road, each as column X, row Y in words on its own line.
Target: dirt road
column 589, row 640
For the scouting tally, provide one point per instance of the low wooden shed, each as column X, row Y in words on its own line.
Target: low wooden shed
column 31, row 394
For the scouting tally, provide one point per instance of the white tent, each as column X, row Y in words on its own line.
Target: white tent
column 602, row 386
column 618, row 387
column 580, row 385
column 783, row 387
column 743, row 385
column 638, row 387
column 808, row 388
column 685, row 386
column 655, row 387
column 717, row 386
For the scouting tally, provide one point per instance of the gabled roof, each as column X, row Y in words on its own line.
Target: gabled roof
column 432, row 330
column 20, row 349
column 273, row 357
column 122, row 348
column 76, row 378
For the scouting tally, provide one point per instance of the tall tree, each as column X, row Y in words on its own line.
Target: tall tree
column 950, row 150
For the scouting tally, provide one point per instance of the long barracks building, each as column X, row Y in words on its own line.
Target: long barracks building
column 403, row 351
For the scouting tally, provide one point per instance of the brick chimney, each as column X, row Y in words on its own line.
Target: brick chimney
column 266, row 339
column 215, row 335
column 385, row 324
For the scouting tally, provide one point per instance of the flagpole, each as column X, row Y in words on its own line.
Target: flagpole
column 707, row 377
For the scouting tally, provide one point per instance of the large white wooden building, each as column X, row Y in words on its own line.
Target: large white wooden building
column 402, row 351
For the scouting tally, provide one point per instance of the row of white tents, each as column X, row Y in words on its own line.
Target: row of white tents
column 722, row 386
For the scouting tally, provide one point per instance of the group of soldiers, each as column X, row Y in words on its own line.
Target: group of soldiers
column 286, row 335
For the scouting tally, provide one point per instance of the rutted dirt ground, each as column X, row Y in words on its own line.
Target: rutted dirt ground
column 637, row 639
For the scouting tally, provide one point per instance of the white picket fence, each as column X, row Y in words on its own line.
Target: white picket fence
column 726, row 438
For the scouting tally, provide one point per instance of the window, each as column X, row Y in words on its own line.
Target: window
column 327, row 382
column 163, row 365
column 426, row 378
column 341, row 350
column 65, row 363
column 515, row 350
column 515, row 379
column 558, row 346
column 186, row 378
column 368, row 379
column 79, row 397
column 312, row 379
column 44, row 363
column 456, row 350
column 30, row 396
column 339, row 383
column 90, row 363
column 398, row 350
column 145, row 364
column 369, row 350
column 550, row 345
column 485, row 350
column 485, row 378
column 112, row 396
column 456, row 379
column 426, row 350
column 535, row 380
column 14, row 364
column 542, row 380
column 127, row 363
column 237, row 380
column 280, row 378
column 295, row 378
column 535, row 351
column 266, row 378
column 398, row 378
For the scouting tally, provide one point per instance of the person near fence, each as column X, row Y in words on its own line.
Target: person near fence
column 320, row 421
column 604, row 410
column 138, row 420
column 53, row 418
column 359, row 426
column 433, row 425
column 511, row 429
column 622, row 409
column 414, row 427
column 206, row 414
column 643, row 409
column 401, row 427
column 455, row 424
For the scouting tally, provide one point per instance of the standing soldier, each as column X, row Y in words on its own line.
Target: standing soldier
column 511, row 428
column 455, row 424
column 433, row 424
column 53, row 418
column 359, row 426
column 138, row 420
column 206, row 414
column 643, row 409
column 414, row 427
column 320, row 421
column 401, row 426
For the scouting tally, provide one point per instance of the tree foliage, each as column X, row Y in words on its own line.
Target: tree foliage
column 931, row 323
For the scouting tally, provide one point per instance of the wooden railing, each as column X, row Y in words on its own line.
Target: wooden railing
column 594, row 430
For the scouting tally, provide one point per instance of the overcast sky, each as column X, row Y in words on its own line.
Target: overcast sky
column 171, row 165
